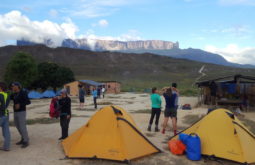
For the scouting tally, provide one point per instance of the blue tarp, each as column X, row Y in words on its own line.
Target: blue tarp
column 90, row 82
column 58, row 93
column 34, row 95
column 48, row 94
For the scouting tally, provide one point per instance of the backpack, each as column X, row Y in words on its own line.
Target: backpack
column 54, row 108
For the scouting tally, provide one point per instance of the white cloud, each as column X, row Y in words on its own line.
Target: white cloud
column 15, row 26
column 103, row 23
column 53, row 13
column 131, row 35
column 237, row 2
column 235, row 31
column 234, row 53
column 98, row 8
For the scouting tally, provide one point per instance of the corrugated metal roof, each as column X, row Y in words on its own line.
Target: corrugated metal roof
column 91, row 82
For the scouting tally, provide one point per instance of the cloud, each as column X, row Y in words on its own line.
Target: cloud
column 99, row 8
column 236, row 31
column 131, row 35
column 237, row 2
column 53, row 13
column 234, row 53
column 103, row 23
column 15, row 26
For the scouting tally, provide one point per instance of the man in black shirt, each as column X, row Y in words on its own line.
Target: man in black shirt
column 65, row 113
column 20, row 100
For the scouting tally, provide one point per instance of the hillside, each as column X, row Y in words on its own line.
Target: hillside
column 192, row 54
column 133, row 70
column 159, row 47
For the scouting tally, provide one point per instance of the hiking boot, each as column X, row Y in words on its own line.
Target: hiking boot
column 20, row 142
column 156, row 129
column 25, row 145
column 149, row 128
column 61, row 138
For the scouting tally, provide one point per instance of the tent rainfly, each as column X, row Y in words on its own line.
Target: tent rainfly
column 110, row 134
column 224, row 136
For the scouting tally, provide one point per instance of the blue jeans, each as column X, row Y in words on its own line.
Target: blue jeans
column 4, row 123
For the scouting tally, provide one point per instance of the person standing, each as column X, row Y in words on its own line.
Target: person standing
column 64, row 103
column 103, row 91
column 81, row 96
column 20, row 100
column 98, row 92
column 155, row 109
column 94, row 94
column 170, row 110
column 176, row 91
column 4, row 116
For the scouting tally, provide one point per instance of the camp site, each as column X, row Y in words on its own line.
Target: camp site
column 116, row 133
column 127, row 82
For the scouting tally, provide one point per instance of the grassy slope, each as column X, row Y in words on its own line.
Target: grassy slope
column 135, row 71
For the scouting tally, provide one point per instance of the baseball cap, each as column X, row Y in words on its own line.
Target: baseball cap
column 16, row 84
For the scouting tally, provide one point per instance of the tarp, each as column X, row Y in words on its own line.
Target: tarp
column 224, row 136
column 110, row 134
column 48, row 94
column 91, row 82
column 34, row 95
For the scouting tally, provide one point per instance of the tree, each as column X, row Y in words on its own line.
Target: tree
column 22, row 68
column 52, row 75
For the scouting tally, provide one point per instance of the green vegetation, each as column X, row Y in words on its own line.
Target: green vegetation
column 52, row 75
column 22, row 68
column 136, row 72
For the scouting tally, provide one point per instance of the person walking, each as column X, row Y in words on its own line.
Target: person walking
column 64, row 103
column 155, row 109
column 98, row 92
column 170, row 110
column 20, row 100
column 4, row 117
column 103, row 91
column 94, row 94
column 81, row 96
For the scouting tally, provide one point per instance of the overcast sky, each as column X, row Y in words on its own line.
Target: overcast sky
column 222, row 26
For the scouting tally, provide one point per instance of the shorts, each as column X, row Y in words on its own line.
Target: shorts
column 82, row 100
column 170, row 112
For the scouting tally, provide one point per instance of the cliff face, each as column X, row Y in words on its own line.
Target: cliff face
column 110, row 45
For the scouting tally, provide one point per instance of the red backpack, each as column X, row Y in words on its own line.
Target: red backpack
column 54, row 110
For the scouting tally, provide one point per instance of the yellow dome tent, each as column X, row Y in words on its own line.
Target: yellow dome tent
column 110, row 134
column 224, row 136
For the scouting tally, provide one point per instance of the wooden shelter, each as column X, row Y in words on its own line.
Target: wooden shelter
column 110, row 86
column 237, row 91
column 73, row 90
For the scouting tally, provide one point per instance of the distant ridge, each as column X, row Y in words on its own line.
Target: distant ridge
column 165, row 48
